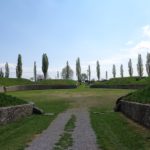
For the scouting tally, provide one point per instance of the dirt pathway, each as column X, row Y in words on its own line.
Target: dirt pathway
column 83, row 135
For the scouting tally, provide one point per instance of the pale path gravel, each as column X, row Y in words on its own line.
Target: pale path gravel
column 51, row 135
column 83, row 134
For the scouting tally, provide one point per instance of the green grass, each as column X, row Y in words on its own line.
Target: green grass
column 14, row 81
column 125, row 81
column 57, row 82
column 141, row 96
column 16, row 135
column 8, row 100
column 53, row 82
column 66, row 139
column 113, row 130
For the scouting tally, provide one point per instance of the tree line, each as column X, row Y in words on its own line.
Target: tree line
column 67, row 72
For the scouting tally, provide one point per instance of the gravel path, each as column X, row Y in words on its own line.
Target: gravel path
column 83, row 135
column 51, row 135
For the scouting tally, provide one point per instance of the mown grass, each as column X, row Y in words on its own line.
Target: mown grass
column 125, row 81
column 66, row 139
column 141, row 96
column 113, row 130
column 15, row 136
column 8, row 100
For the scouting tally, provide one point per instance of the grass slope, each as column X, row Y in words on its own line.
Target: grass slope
column 7, row 100
column 141, row 96
column 125, row 81
column 14, row 81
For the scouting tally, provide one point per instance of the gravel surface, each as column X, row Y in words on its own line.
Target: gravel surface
column 51, row 135
column 83, row 135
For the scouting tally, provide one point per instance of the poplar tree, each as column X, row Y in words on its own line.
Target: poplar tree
column 121, row 71
column 114, row 71
column 148, row 64
column 140, row 66
column 45, row 65
column 106, row 74
column 89, row 73
column 35, row 72
column 1, row 73
column 78, row 69
column 98, row 70
column 130, row 68
column 19, row 67
column 6, row 70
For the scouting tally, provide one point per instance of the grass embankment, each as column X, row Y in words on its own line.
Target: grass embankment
column 125, row 81
column 16, row 135
column 57, row 82
column 53, row 82
column 8, row 100
column 14, row 81
column 141, row 96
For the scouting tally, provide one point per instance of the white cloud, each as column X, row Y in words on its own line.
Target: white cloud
column 146, row 30
column 129, row 43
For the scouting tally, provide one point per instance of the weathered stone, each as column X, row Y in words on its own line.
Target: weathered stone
column 136, row 111
column 38, row 87
column 118, row 86
column 13, row 113
column 1, row 89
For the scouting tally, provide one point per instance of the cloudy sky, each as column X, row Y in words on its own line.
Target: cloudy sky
column 111, row 31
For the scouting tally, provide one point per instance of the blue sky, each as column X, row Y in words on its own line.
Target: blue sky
column 111, row 31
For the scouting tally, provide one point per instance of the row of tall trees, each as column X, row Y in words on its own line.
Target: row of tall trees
column 140, row 67
column 67, row 72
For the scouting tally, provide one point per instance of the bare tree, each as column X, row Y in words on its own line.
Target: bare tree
column 6, row 70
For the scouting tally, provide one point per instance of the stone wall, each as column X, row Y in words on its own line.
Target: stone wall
column 119, row 86
column 13, row 113
column 136, row 111
column 38, row 87
column 1, row 89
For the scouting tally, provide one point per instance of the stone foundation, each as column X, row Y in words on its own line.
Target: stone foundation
column 136, row 111
column 13, row 113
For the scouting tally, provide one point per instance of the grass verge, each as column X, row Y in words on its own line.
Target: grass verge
column 66, row 139
column 114, row 132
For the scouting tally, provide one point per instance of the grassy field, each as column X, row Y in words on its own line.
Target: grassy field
column 125, row 81
column 113, row 130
